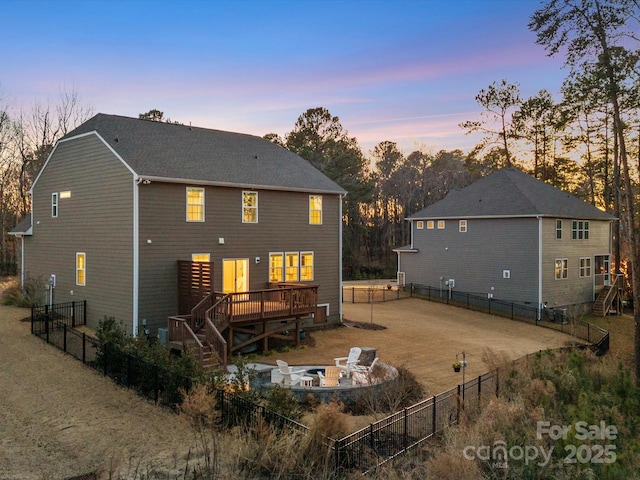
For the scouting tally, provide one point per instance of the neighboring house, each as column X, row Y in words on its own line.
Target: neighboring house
column 121, row 201
column 509, row 236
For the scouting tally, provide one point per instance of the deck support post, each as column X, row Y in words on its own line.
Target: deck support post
column 298, row 324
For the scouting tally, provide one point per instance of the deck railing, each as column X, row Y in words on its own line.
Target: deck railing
column 180, row 331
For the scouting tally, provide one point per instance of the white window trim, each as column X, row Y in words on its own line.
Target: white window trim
column 462, row 226
column 578, row 233
column 54, row 205
column 282, row 273
column 286, row 266
column 430, row 224
column 208, row 255
column 313, row 266
column 559, row 229
column 582, row 269
column 84, row 255
column 564, row 271
column 441, row 224
column 321, row 209
column 187, row 204
column 254, row 207
column 420, row 224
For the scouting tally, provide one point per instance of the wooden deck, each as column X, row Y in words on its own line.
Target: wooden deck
column 260, row 314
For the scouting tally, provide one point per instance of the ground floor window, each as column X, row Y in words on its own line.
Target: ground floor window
column 291, row 266
column 562, row 268
column 585, row 267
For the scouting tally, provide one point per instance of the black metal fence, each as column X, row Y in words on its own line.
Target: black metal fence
column 9, row 269
column 363, row 450
column 372, row 293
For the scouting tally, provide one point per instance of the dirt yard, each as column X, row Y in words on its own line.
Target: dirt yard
column 60, row 419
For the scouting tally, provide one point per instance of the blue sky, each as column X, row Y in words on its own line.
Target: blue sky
column 404, row 70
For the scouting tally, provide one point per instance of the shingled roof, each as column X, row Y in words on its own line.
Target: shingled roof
column 173, row 152
column 510, row 193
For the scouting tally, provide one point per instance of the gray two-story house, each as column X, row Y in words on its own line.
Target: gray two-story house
column 126, row 211
column 512, row 237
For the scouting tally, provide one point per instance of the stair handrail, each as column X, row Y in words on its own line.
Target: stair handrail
column 216, row 341
column 220, row 317
column 182, row 324
column 610, row 296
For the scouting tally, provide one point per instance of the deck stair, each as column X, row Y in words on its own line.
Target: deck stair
column 210, row 327
column 609, row 300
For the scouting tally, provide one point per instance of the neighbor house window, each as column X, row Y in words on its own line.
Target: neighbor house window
column 462, row 226
column 559, row 229
column 419, row 224
column 54, row 205
column 195, row 204
column 580, row 229
column 292, row 266
column 249, row 207
column 200, row 257
column 561, row 268
column 585, row 266
column 306, row 266
column 276, row 263
column 315, row 209
column 81, row 269
column 430, row 224
column 440, row 224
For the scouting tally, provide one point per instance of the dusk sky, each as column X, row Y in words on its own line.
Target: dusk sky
column 406, row 71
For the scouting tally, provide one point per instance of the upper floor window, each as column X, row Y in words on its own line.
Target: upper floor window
column 462, row 226
column 430, row 224
column 315, row 209
column 419, row 224
column 195, row 204
column 249, row 207
column 81, row 268
column 276, row 264
column 440, row 224
column 562, row 270
column 306, row 267
column 559, row 229
column 54, row 205
column 580, row 229
column 585, row 266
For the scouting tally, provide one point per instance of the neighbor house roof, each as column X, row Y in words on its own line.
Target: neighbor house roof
column 22, row 228
column 173, row 152
column 510, row 193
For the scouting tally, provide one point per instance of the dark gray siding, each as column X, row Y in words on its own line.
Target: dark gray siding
column 97, row 219
column 476, row 259
column 283, row 225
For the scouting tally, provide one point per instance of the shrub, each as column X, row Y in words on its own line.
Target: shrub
column 30, row 295
column 390, row 396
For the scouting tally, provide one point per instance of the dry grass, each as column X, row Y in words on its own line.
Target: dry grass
column 76, row 421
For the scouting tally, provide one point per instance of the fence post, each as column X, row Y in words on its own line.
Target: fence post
column 589, row 332
column 479, row 390
column 405, row 437
column 458, row 404
column 32, row 321
column 489, row 305
column 434, row 416
column 467, row 301
column 84, row 348
column 128, row 370
column 46, row 325
column 353, row 294
column 73, row 314
column 105, row 357
column 84, row 312
column 64, row 342
column 155, row 387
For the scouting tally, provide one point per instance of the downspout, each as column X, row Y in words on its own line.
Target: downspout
column 539, row 267
column 22, row 261
column 136, row 255
column 340, row 249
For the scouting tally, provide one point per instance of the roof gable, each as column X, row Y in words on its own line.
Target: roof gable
column 175, row 152
column 511, row 193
